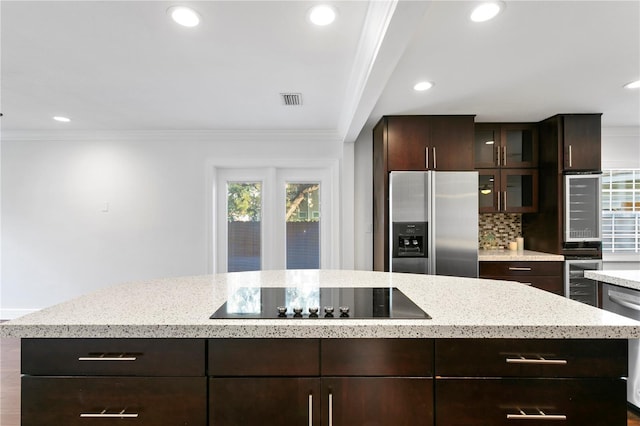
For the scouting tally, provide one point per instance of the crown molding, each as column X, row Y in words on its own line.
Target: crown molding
column 213, row 136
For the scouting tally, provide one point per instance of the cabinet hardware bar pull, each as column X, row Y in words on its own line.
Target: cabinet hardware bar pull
column 504, row 156
column 505, row 201
column 426, row 157
column 103, row 414
column 330, row 409
column 570, row 157
column 107, row 358
column 498, row 195
column 310, row 409
column 540, row 416
column 434, row 158
column 519, row 268
column 536, row 361
column 498, row 155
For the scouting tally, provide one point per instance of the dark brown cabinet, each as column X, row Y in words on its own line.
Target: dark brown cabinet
column 506, row 157
column 568, row 143
column 419, row 142
column 507, row 190
column 571, row 142
column 543, row 275
column 513, row 145
column 75, row 381
column 320, row 382
column 414, row 143
column 511, row 381
column 360, row 381
column 81, row 400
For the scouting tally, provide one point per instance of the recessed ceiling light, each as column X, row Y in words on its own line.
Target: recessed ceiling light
column 184, row 16
column 62, row 119
column 322, row 14
column 487, row 10
column 633, row 85
column 422, row 86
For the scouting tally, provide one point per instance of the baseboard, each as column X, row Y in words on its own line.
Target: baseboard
column 9, row 314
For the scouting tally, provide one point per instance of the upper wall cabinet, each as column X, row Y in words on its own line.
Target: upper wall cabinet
column 512, row 145
column 571, row 142
column 427, row 142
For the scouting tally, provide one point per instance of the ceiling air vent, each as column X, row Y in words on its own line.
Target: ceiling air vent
column 291, row 99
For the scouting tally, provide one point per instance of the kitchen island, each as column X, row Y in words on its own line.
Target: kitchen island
column 503, row 349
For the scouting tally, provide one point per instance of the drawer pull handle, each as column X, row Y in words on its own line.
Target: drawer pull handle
column 104, row 415
column 536, row 361
column 104, row 357
column 540, row 416
column 310, row 409
column 519, row 268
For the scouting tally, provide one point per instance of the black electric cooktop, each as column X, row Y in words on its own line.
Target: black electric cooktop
column 319, row 302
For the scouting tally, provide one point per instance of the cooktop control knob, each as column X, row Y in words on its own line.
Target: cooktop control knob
column 313, row 312
column 282, row 311
column 344, row 311
column 328, row 311
column 297, row 311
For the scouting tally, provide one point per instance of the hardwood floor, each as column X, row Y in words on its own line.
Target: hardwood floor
column 10, row 382
column 10, row 385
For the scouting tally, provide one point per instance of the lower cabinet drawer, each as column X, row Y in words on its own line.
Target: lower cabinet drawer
column 531, row 358
column 495, row 402
column 553, row 284
column 99, row 401
column 113, row 357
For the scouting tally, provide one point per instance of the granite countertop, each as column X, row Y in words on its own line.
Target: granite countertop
column 460, row 308
column 500, row 255
column 622, row 278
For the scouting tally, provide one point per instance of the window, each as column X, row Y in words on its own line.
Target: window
column 244, row 207
column 621, row 211
column 272, row 218
column 302, row 217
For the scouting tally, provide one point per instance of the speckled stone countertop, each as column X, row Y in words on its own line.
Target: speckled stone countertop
column 517, row 255
column 628, row 279
column 460, row 308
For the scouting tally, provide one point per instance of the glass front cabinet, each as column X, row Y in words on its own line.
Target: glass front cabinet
column 508, row 190
column 512, row 145
column 506, row 157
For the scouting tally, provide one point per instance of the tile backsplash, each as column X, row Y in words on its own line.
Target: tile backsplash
column 504, row 227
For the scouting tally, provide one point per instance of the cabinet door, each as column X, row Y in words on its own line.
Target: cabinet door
column 153, row 401
column 264, row 401
column 408, row 144
column 377, row 401
column 519, row 145
column 519, row 190
column 582, row 141
column 486, row 145
column 495, row 402
column 489, row 190
column 451, row 142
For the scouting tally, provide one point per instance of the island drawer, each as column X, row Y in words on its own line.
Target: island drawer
column 520, row 268
column 114, row 400
column 495, row 402
column 377, row 357
column 113, row 357
column 531, row 358
column 263, row 357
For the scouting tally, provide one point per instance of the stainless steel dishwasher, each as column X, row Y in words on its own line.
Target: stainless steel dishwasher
column 626, row 302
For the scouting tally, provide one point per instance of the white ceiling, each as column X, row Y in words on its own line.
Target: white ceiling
column 123, row 65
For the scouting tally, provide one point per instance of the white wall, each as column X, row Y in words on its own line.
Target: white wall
column 81, row 211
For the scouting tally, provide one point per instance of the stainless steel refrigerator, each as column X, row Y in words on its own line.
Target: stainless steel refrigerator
column 434, row 223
